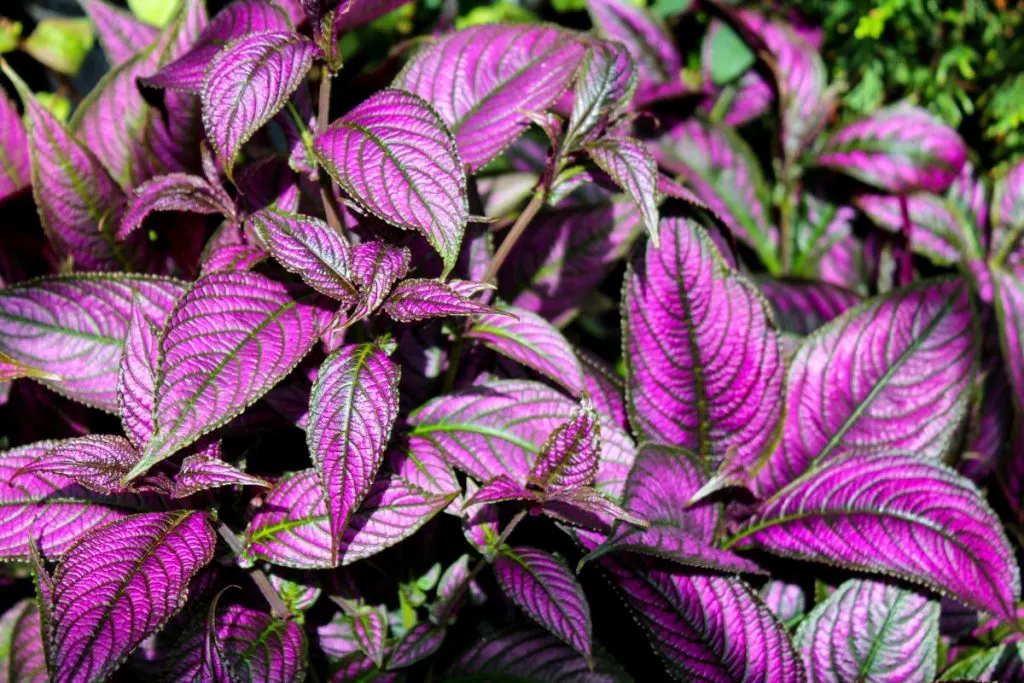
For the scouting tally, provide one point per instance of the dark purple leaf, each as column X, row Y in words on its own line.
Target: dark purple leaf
column 531, row 655
column 938, row 229
column 605, row 387
column 420, row 642
column 354, row 13
column 419, row 299
column 201, row 472
column 22, row 658
column 803, row 306
column 174, row 192
column 376, row 267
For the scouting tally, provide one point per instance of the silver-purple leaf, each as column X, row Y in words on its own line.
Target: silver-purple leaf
column 74, row 327
column 291, row 528
column 396, row 157
column 543, row 587
column 938, row 229
column 486, row 81
column 803, row 306
column 247, row 83
column 229, row 340
column 201, row 472
column 420, row 642
column 421, row 299
column 376, row 267
column 370, row 629
column 633, row 169
column 1009, row 288
column 136, row 381
column 121, row 583
column 857, row 384
column 1008, row 212
column 897, row 515
column 174, row 192
column 868, row 630
column 121, row 35
column 22, row 656
column 15, row 159
column 94, row 461
column 528, row 339
column 352, row 409
column 704, row 365
column 606, row 82
column 786, row 600
column 569, row 457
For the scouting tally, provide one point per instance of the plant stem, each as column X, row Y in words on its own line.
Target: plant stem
column 323, row 118
column 1013, row 236
column 528, row 214
column 786, row 231
column 479, row 566
column 259, row 578
column 907, row 257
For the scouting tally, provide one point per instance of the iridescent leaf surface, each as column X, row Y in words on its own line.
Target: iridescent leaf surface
column 121, row 35
column 22, row 658
column 201, row 472
column 95, row 461
column 420, row 299
column 938, row 229
column 633, row 169
column 174, row 192
column 15, row 160
column 803, row 306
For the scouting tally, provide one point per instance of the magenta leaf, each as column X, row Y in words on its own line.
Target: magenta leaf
column 938, row 229
column 239, row 18
column 785, row 600
column 424, row 470
column 704, row 366
column 376, row 267
column 120, row 34
column 309, row 248
column 201, row 472
column 899, row 149
column 1007, row 209
column 240, row 644
column 898, row 515
column 77, row 199
column 74, row 327
column 205, row 380
column 396, row 157
column 546, row 590
column 867, row 630
column 803, row 306
column 569, row 457
column 95, row 461
column 633, row 169
column 121, row 583
column 15, row 159
column 499, row 490
column 49, row 508
column 516, row 71
column 354, row 13
column 605, row 387
column 724, row 172
column 291, row 527
column 22, row 657
column 174, row 192
column 420, row 642
column 606, row 83
column 856, row 385
column 659, row 63
column 751, row 95
column 370, row 629
column 1009, row 287
column 532, row 655
column 352, row 408
column 136, row 381
column 420, row 299
column 532, row 341
column 247, row 83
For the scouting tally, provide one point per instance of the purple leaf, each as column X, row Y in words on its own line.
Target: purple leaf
column 659, row 63
column 633, row 169
column 499, row 490
column 486, row 81
column 1007, row 209
column 376, row 267
column 248, row 645
column 420, row 642
column 569, row 457
column 703, row 363
column 604, row 386
column 821, row 229
column 532, row 341
column 606, row 83
column 239, row 18
column 419, row 299
column 136, row 381
column 201, row 472
column 77, row 199
column 785, row 600
column 74, row 326
column 247, row 83
column 394, row 155
column 352, row 408
column 867, row 630
column 174, row 192
column 370, row 630
column 95, row 461
column 49, row 508
column 857, row 386
column 531, row 655
column 898, row 515
column 291, row 527
column 355, row 13
column 497, row 428
column 724, row 172
column 15, row 160
column 938, row 230
column 424, row 470
column 1009, row 286
column 309, row 248
column 750, row 97
column 969, row 195
column 565, row 255
column 899, row 149
column 205, row 380
column 22, row 659
column 548, row 592
column 121, row 583
column 121, row 35
column 803, row 306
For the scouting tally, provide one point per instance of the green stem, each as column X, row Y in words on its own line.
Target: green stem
column 331, row 209
column 259, row 578
column 528, row 214
column 786, row 230
column 1013, row 236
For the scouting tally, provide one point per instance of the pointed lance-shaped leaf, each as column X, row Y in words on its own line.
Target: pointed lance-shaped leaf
column 376, row 267
column 74, row 327
column 1009, row 287
column 49, row 508
column 11, row 369
column 569, row 457
column 396, row 157
column 938, row 229
column 371, row 630
column 136, row 383
column 606, row 82
column 424, row 470
column 201, row 472
column 969, row 195
column 121, row 35
column 548, row 592
column 120, row 584
column 228, row 341
column 247, row 83
column 355, row 13
column 421, row 299
column 352, row 409
column 785, row 600
column 802, row 306
column 899, row 149
column 77, row 199
column 1008, row 212
column 419, row 642
column 723, row 171
column 309, row 248
column 532, row 341
column 22, row 658
column 748, row 97
column 897, row 515
column 95, row 461
column 704, row 365
column 15, row 159
column 857, row 385
column 516, row 71
column 174, row 192
column 633, row 169
column 45, row 601
column 868, row 630
column 605, row 387
column 291, row 527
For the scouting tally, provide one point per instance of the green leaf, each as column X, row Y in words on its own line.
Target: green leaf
column 730, row 56
column 10, row 35
column 155, row 12
column 60, row 43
